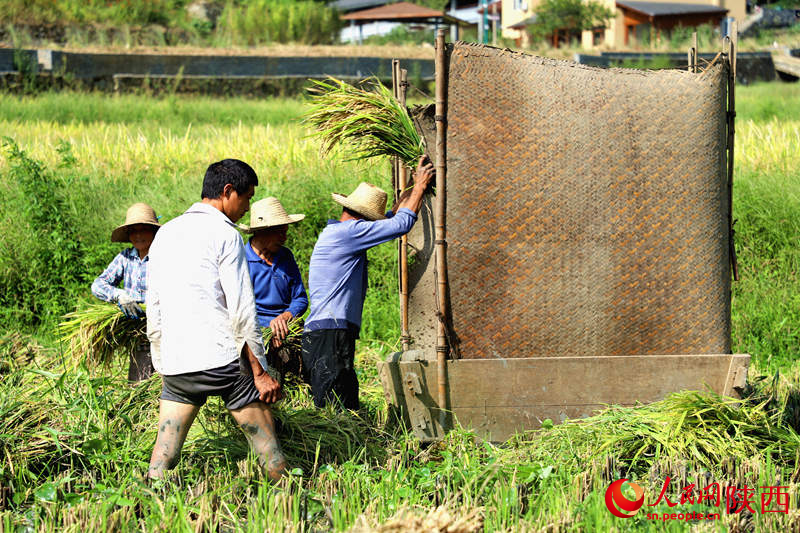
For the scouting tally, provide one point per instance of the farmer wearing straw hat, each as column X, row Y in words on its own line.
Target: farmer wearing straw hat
column 201, row 322
column 337, row 282
column 130, row 268
column 277, row 284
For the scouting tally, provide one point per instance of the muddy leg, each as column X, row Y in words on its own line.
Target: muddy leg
column 174, row 421
column 256, row 421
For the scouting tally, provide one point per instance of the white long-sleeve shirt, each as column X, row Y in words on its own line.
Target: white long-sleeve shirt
column 200, row 305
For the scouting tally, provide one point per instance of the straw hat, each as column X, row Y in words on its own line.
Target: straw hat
column 267, row 213
column 367, row 200
column 139, row 213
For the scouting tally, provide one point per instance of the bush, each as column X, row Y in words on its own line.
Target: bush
column 37, row 278
column 278, row 21
column 91, row 11
column 242, row 22
column 707, row 37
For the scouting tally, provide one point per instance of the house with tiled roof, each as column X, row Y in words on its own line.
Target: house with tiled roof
column 634, row 22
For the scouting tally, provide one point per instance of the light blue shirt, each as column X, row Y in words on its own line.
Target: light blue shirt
column 128, row 268
column 337, row 272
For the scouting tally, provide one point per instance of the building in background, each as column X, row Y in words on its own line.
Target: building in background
column 366, row 18
column 634, row 20
column 351, row 32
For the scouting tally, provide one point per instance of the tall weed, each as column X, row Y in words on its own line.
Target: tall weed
column 39, row 273
column 278, row 21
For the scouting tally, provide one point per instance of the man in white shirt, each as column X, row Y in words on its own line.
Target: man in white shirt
column 201, row 321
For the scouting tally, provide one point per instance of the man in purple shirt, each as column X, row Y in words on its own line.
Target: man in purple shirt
column 337, row 281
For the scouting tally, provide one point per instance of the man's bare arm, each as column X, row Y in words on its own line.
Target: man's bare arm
column 269, row 389
column 412, row 199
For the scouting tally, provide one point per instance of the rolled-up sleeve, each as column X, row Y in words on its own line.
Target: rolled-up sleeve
column 237, row 287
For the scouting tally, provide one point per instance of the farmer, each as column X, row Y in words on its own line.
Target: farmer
column 337, row 282
column 277, row 284
column 130, row 268
column 201, row 321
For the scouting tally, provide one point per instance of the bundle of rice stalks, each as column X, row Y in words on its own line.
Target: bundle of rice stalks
column 292, row 340
column 100, row 330
column 369, row 122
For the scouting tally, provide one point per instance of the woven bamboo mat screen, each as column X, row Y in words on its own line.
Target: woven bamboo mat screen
column 586, row 211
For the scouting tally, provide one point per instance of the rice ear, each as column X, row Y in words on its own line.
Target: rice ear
column 369, row 123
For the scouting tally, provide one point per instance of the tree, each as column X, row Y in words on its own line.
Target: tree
column 569, row 15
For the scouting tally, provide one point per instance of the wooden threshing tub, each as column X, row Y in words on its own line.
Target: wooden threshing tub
column 586, row 254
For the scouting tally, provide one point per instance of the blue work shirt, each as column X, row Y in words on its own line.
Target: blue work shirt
column 337, row 273
column 277, row 287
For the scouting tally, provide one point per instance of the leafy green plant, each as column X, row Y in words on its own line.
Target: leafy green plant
column 39, row 276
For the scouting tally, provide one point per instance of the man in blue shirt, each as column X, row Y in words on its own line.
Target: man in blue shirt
column 277, row 285
column 337, row 282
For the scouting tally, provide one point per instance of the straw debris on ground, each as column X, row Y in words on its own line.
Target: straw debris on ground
column 438, row 520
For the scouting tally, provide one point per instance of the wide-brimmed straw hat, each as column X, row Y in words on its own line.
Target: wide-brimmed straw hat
column 268, row 213
column 367, row 200
column 139, row 213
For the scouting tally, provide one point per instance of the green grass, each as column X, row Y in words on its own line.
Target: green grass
column 74, row 441
column 763, row 102
column 138, row 112
column 239, row 22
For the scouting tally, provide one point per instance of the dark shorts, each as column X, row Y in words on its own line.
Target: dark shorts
column 328, row 356
column 228, row 382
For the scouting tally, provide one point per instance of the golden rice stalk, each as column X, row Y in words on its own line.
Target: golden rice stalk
column 100, row 330
column 369, row 122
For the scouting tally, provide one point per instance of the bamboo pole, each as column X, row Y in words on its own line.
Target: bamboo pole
column 440, row 225
column 732, row 43
column 403, row 182
column 396, row 93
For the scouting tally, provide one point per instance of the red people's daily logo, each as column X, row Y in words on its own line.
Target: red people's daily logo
column 618, row 504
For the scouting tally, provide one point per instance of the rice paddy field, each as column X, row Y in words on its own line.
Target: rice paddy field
column 75, row 438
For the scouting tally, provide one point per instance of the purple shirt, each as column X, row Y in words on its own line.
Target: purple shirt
column 337, row 272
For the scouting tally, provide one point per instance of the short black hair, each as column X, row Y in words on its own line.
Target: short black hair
column 237, row 173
